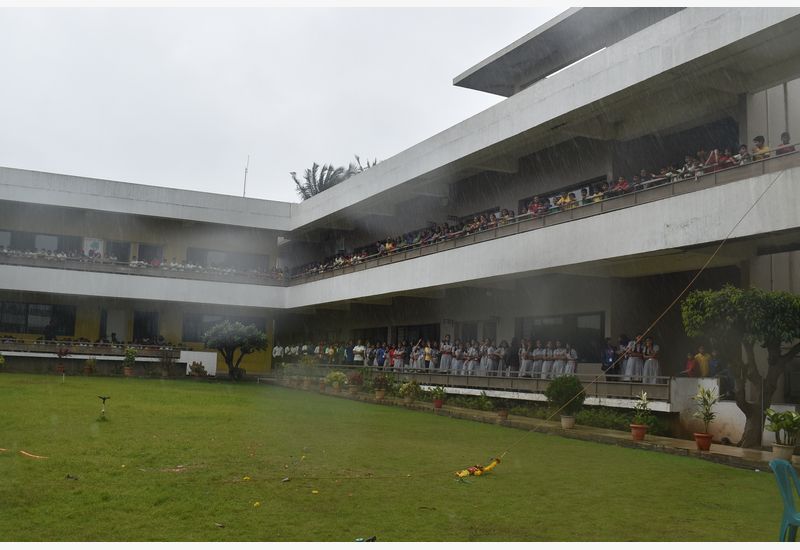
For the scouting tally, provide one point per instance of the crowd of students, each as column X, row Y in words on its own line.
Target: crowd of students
column 693, row 166
column 525, row 358
column 92, row 257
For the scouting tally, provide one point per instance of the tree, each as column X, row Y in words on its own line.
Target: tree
column 227, row 337
column 356, row 167
column 737, row 320
column 316, row 180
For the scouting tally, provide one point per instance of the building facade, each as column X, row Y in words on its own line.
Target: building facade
column 594, row 94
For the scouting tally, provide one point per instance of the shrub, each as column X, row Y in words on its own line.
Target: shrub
column 336, row 377
column 604, row 417
column 409, row 389
column 566, row 394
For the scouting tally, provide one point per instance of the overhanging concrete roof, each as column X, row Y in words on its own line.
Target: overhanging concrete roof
column 567, row 38
column 30, row 186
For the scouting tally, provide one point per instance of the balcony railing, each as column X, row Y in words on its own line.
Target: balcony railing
column 658, row 189
column 605, row 387
column 34, row 259
column 86, row 348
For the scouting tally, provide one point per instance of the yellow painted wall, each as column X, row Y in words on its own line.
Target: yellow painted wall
column 170, row 321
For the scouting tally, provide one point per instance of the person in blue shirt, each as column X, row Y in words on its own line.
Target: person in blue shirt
column 607, row 357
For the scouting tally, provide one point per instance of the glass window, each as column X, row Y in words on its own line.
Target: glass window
column 45, row 242
column 5, row 239
column 12, row 317
column 39, row 317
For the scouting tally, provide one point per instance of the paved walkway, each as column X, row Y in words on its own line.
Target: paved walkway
column 723, row 454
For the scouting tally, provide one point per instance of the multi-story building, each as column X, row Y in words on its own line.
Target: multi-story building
column 592, row 95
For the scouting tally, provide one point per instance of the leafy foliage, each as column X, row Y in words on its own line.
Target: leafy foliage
column 316, row 179
column 705, row 399
column 566, row 394
column 336, row 377
column 738, row 319
column 757, row 315
column 786, row 426
column 641, row 410
column 227, row 337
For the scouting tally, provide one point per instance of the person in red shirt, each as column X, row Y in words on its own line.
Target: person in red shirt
column 785, row 146
column 690, row 369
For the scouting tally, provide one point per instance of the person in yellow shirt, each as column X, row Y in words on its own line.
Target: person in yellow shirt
column 760, row 151
column 703, row 360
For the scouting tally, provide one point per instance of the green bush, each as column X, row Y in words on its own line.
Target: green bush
column 604, row 417
column 565, row 394
column 616, row 419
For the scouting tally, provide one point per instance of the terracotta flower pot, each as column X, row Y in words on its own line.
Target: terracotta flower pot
column 437, row 403
column 783, row 451
column 703, row 441
column 567, row 422
column 60, row 369
column 380, row 394
column 87, row 371
column 337, row 388
column 502, row 414
column 408, row 399
column 638, row 431
column 306, row 384
column 127, row 371
column 352, row 390
column 322, row 386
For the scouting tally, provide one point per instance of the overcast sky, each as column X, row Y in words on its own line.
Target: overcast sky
column 179, row 97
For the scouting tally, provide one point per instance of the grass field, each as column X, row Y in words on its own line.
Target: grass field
column 171, row 461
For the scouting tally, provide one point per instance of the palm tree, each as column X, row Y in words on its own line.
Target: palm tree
column 357, row 167
column 316, row 180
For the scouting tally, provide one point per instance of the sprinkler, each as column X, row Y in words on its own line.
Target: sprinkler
column 103, row 410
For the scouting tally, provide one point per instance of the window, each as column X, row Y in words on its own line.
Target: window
column 25, row 318
column 196, row 324
column 585, row 331
column 45, row 242
column 120, row 250
column 5, row 239
column 149, row 252
column 13, row 317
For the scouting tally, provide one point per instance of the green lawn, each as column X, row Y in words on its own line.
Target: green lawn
column 170, row 462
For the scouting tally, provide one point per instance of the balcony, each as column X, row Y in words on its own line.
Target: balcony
column 196, row 273
column 657, row 190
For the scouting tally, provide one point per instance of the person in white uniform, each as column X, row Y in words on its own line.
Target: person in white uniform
column 651, row 366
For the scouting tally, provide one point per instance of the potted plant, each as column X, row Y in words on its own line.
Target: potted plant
column 89, row 365
column 321, row 385
column 336, row 379
column 355, row 379
column 197, row 369
column 786, row 426
column 61, row 352
column 409, row 391
column 705, row 399
column 566, row 395
column 380, row 383
column 437, row 395
column 642, row 417
column 128, row 361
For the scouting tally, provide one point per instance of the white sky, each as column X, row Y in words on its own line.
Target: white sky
column 178, row 97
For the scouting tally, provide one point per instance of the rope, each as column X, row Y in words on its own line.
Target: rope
column 667, row 309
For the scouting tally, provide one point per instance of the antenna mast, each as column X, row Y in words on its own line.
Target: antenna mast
column 246, row 166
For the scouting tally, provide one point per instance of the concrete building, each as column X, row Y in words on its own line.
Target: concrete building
column 592, row 95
